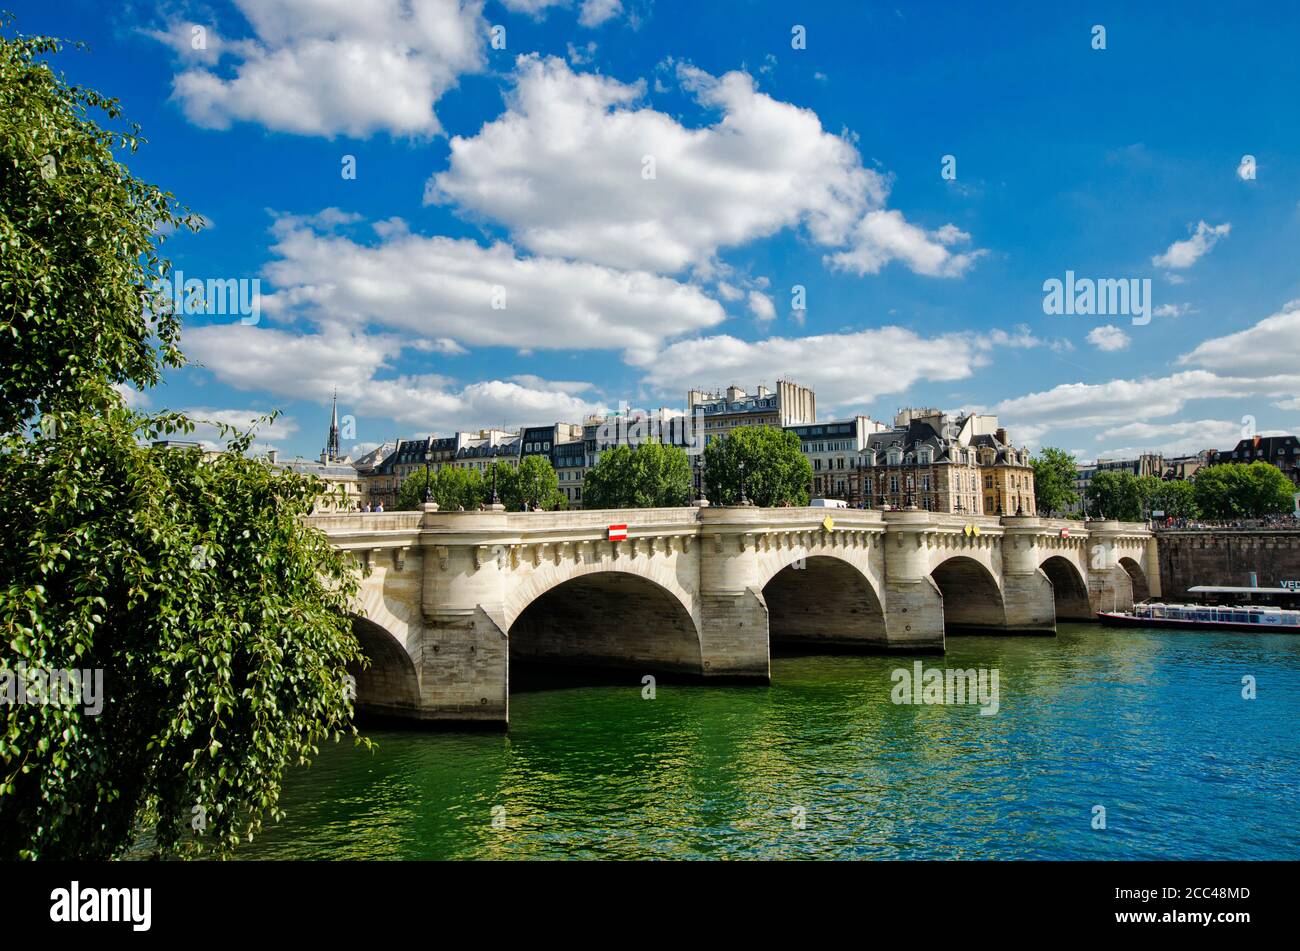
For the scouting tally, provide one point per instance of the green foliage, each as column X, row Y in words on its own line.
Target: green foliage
column 1117, row 495
column 775, row 470
column 1054, row 474
column 1238, row 490
column 219, row 620
column 78, row 246
column 215, row 615
column 506, row 484
column 651, row 475
column 534, row 483
column 452, row 489
column 1176, row 498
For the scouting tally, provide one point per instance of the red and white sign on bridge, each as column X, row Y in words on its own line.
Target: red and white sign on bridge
column 618, row 533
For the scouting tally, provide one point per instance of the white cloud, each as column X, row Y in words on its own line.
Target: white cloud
column 565, row 168
column 884, row 236
column 207, row 423
column 445, row 289
column 1080, row 405
column 1108, row 337
column 761, row 306
column 1269, row 348
column 591, row 13
column 1184, row 438
column 311, row 366
column 844, row 369
column 596, row 12
column 1183, row 254
column 1174, row 310
column 325, row 67
column 132, row 397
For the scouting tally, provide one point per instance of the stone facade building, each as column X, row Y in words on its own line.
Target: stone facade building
column 1280, row 451
column 722, row 411
column 834, row 448
column 933, row 461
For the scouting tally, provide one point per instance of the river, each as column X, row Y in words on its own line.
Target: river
column 1151, row 725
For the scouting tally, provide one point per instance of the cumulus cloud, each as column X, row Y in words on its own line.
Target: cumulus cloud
column 591, row 13
column 325, row 67
column 311, row 366
column 761, row 306
column 844, row 368
column 1185, row 437
column 884, row 236
column 1271, row 348
column 457, row 292
column 132, row 397
column 579, row 167
column 1108, row 337
column 595, row 12
column 1080, row 405
column 1183, row 254
column 208, row 422
column 1173, row 310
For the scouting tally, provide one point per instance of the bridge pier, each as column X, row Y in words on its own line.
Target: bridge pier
column 913, row 602
column 1028, row 596
column 465, row 674
column 733, row 636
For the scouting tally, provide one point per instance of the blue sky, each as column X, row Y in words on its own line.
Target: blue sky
column 521, row 177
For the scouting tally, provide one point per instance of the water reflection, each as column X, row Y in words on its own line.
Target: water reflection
column 1150, row 724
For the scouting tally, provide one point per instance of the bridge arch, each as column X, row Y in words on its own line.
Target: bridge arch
column 389, row 685
column 824, row 601
column 972, row 596
column 1137, row 577
column 607, row 617
column 1069, row 588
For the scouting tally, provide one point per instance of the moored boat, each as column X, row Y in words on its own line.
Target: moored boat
column 1217, row 608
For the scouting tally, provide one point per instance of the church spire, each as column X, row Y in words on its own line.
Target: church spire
column 332, row 446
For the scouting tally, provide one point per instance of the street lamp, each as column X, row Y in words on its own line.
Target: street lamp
column 495, row 500
column 743, row 500
column 428, row 458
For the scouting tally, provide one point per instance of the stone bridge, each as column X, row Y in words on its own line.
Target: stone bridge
column 451, row 599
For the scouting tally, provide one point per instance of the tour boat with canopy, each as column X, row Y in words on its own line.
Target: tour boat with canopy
column 1217, row 608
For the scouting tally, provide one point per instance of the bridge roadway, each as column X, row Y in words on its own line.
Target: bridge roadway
column 450, row 599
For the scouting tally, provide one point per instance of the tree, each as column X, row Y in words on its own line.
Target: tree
column 535, row 483
column 1176, row 498
column 775, row 470
column 80, row 265
column 1054, row 475
column 507, row 479
column 1238, row 490
column 651, row 475
column 217, row 617
column 211, row 614
column 451, row 488
column 1117, row 495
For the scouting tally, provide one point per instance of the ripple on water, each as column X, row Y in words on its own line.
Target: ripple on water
column 1149, row 724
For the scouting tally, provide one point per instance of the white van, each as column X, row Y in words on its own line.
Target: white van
column 829, row 504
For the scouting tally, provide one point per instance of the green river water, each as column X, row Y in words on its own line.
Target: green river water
column 1151, row 725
